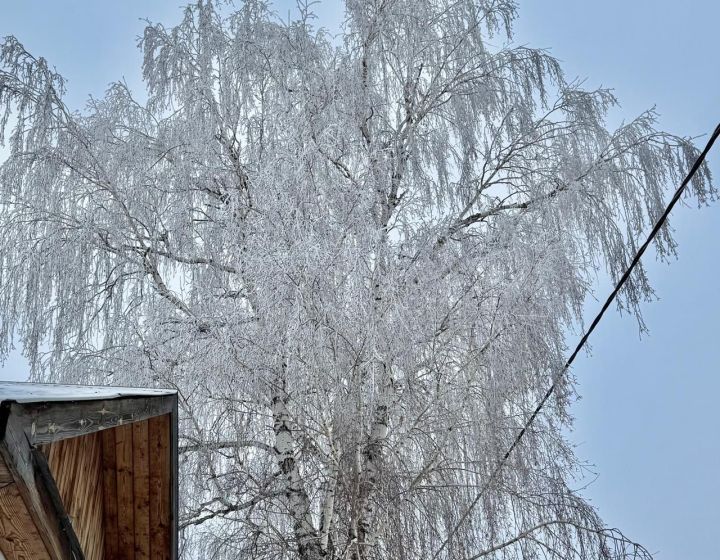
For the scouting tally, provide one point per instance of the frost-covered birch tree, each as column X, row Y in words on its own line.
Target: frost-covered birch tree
column 357, row 258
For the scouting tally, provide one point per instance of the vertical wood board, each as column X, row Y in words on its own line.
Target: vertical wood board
column 160, row 475
column 124, row 470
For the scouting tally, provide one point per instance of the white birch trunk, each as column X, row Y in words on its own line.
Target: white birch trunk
column 371, row 470
column 328, row 508
column 298, row 501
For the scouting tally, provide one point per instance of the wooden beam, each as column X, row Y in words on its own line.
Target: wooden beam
column 38, row 491
column 45, row 479
column 53, row 421
column 76, row 467
column 37, row 424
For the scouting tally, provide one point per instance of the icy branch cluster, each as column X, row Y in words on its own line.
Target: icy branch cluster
column 356, row 258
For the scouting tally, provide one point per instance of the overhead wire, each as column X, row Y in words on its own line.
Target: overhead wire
column 583, row 340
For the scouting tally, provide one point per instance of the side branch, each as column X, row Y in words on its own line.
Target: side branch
column 638, row 551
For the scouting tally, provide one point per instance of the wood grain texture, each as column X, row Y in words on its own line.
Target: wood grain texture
column 54, row 508
column 160, row 467
column 50, row 422
column 37, row 491
column 124, row 473
column 136, row 470
column 76, row 466
column 5, row 474
column 19, row 538
column 141, row 490
column 107, row 488
column 110, row 513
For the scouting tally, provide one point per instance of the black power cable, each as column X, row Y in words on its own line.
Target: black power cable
column 608, row 302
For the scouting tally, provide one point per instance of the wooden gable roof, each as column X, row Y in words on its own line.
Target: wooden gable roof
column 87, row 472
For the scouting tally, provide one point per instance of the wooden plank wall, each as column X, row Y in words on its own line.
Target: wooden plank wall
column 137, row 477
column 76, row 466
column 19, row 538
column 115, row 485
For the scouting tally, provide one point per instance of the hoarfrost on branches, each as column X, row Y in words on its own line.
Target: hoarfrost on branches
column 356, row 258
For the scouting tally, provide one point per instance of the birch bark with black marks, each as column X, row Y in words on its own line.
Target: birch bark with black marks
column 371, row 474
column 327, row 513
column 296, row 496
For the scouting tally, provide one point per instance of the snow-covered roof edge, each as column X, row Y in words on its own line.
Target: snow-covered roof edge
column 22, row 392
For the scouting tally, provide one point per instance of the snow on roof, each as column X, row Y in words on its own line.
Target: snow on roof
column 43, row 392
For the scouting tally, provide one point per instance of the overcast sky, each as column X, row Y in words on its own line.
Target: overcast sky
column 647, row 420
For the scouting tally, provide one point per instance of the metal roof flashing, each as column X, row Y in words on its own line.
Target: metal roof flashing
column 22, row 392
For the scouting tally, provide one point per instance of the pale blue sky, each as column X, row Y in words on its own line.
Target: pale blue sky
column 648, row 417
